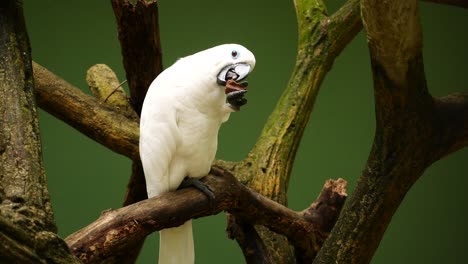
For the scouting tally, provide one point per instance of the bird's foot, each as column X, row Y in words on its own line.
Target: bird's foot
column 192, row 182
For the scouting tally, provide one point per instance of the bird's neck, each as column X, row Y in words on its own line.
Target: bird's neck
column 209, row 101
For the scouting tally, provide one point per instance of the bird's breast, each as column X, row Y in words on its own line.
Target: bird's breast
column 199, row 134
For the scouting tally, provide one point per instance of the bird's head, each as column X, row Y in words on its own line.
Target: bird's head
column 224, row 69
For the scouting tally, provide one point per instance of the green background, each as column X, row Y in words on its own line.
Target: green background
column 85, row 178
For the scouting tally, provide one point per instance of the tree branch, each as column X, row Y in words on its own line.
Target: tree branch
column 85, row 113
column 138, row 29
column 403, row 137
column 119, row 229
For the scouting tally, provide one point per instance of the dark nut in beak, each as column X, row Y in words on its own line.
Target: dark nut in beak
column 235, row 94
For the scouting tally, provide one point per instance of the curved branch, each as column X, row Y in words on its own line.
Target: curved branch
column 116, row 230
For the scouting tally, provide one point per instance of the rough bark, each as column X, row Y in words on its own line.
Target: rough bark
column 119, row 230
column 27, row 227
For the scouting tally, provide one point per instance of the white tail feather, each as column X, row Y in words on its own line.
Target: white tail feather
column 176, row 245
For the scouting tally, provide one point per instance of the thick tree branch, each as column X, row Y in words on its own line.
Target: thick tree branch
column 404, row 131
column 119, row 229
column 85, row 113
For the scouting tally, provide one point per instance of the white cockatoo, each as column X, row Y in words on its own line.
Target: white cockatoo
column 181, row 115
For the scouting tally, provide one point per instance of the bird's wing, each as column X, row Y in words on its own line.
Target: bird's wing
column 159, row 138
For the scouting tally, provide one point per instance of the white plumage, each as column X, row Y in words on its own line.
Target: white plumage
column 181, row 115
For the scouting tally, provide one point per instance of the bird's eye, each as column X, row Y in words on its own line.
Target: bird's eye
column 234, row 54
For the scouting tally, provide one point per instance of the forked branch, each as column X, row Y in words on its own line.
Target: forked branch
column 412, row 130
